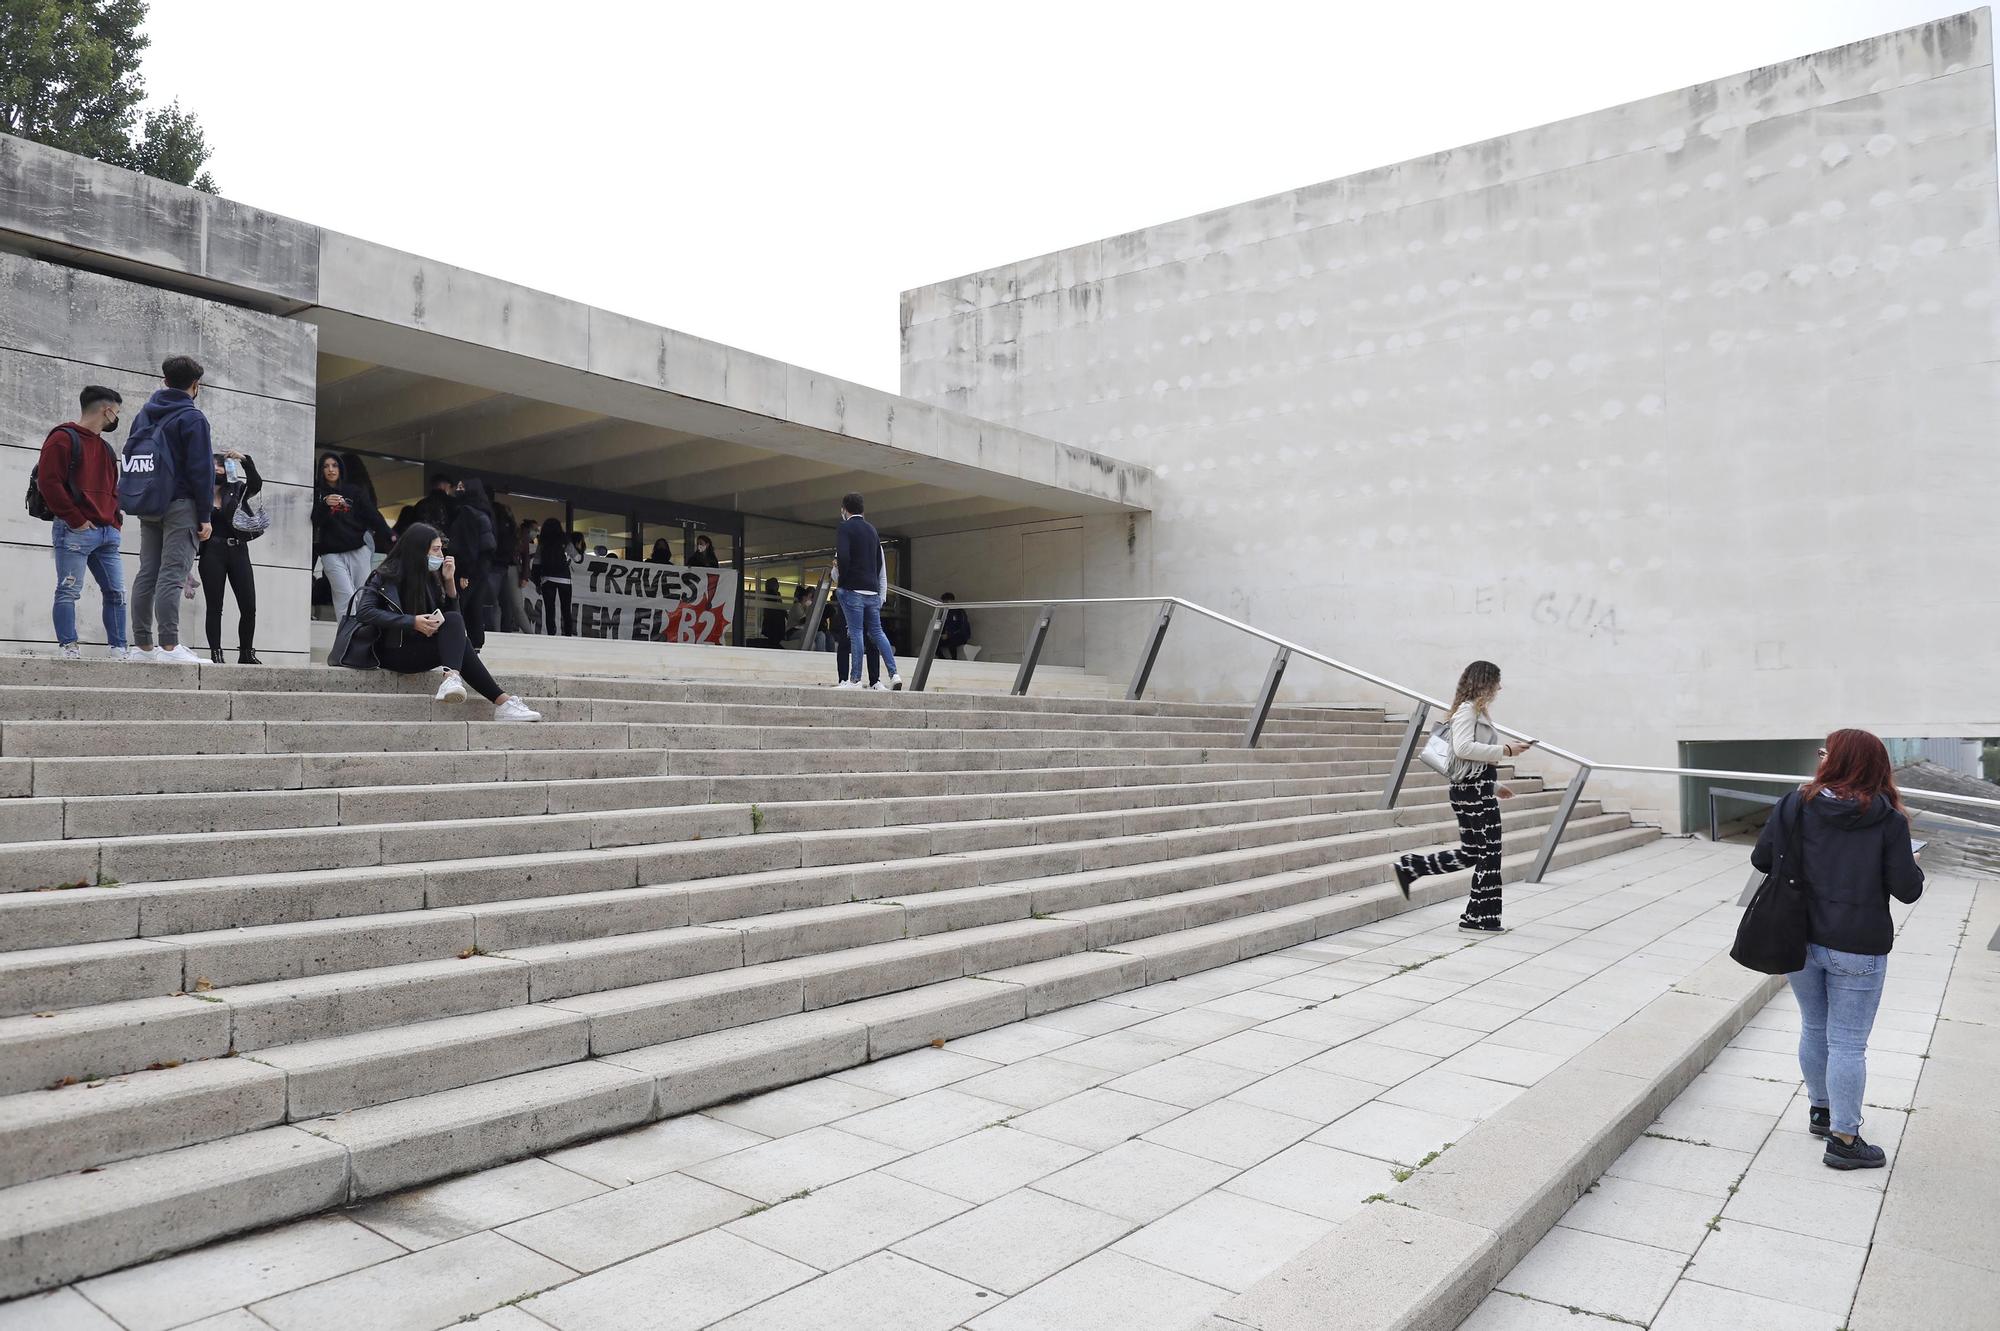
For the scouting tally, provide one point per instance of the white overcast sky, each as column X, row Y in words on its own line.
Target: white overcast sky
column 774, row 175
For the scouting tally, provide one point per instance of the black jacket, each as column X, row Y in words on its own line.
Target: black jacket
column 957, row 628
column 1855, row 857
column 335, row 533
column 473, row 543
column 379, row 607
column 858, row 556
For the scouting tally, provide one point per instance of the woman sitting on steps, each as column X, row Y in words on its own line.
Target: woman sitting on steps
column 407, row 604
column 1475, row 753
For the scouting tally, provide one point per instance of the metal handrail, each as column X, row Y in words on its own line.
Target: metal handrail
column 1287, row 649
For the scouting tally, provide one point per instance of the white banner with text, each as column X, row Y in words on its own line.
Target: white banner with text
column 617, row 598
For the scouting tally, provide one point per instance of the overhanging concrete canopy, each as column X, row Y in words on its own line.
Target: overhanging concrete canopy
column 493, row 375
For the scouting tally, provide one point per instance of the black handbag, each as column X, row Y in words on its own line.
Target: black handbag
column 354, row 641
column 1776, row 927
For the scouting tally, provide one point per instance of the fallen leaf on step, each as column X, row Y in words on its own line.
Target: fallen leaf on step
column 937, row 1044
column 202, row 984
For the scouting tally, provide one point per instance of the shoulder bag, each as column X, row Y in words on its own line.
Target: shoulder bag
column 1776, row 927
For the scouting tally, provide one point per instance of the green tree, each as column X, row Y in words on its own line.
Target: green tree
column 69, row 77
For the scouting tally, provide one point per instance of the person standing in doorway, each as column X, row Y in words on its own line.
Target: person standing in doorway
column 702, row 554
column 552, row 573
column 1476, row 751
column 473, row 543
column 168, row 461
column 77, row 477
column 860, row 575
column 225, row 557
column 662, row 552
column 503, row 582
column 1854, row 840
column 343, row 520
column 957, row 631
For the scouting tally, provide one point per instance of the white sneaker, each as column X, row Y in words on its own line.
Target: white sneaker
column 895, row 683
column 178, row 654
column 451, row 690
column 515, row 710
column 119, row 654
column 848, row 684
column 71, row 652
column 878, row 687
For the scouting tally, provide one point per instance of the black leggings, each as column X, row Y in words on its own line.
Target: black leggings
column 553, row 592
column 220, row 561
column 448, row 648
column 840, row 651
column 472, row 603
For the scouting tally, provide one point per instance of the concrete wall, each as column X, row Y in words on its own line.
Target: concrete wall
column 61, row 329
column 1683, row 411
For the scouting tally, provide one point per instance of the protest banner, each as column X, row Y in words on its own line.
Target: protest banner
column 633, row 602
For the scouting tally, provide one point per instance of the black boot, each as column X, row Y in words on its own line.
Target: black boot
column 1404, row 877
column 247, row 657
column 215, row 655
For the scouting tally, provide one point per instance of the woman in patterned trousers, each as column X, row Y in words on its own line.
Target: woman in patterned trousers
column 1475, row 800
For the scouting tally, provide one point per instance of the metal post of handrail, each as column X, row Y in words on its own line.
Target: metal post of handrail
column 932, row 636
column 1413, row 734
column 1571, row 795
column 1267, row 696
column 1032, row 653
column 1151, row 653
column 818, row 612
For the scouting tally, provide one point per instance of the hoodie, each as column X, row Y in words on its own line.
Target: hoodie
column 1856, row 856
column 184, row 432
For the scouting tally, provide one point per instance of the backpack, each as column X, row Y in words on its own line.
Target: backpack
column 149, row 480
column 38, row 506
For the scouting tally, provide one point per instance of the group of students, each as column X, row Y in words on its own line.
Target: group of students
column 1853, row 839
column 195, row 518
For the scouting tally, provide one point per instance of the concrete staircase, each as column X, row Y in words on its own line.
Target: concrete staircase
column 275, row 940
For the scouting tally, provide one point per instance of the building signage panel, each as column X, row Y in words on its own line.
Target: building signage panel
column 617, row 598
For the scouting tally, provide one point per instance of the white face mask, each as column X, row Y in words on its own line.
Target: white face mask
column 436, row 562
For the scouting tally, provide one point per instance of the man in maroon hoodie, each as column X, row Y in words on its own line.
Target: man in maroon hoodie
column 78, row 477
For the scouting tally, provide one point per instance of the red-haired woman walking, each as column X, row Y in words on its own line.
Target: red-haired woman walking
column 1857, row 854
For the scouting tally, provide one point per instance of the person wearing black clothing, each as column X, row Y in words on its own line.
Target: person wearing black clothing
column 552, row 573
column 957, row 631
column 662, row 553
column 473, row 544
column 837, row 630
column 225, row 557
column 407, row 606
column 435, row 509
column 702, row 555
column 503, row 580
column 342, row 521
column 1856, row 853
column 771, row 623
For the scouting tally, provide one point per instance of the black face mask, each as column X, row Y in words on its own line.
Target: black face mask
column 110, row 426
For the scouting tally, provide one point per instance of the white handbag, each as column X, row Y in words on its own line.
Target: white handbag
column 1436, row 753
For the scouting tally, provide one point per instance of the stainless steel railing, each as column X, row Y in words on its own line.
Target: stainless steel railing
column 1413, row 731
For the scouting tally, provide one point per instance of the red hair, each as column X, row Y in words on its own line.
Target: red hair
column 1856, row 767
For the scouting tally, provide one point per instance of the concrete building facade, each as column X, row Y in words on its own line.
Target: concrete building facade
column 1683, row 411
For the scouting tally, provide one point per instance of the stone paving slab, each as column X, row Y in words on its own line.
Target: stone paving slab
column 1133, row 1162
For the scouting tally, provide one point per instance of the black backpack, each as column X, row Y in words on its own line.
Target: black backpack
column 38, row 507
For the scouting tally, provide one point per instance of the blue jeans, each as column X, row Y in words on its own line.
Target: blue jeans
column 1838, row 993
column 864, row 626
column 96, row 550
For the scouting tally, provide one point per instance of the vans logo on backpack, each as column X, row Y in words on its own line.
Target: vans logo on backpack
column 138, row 464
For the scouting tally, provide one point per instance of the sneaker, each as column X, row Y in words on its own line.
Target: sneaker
column 119, row 654
column 1404, row 878
column 1857, row 1154
column 895, row 683
column 178, row 654
column 878, row 687
column 848, row 684
column 1819, row 1121
column 515, row 710
column 451, row 690
column 71, row 652
column 1470, row 925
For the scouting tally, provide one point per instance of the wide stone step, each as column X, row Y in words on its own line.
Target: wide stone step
column 64, row 1227
column 66, row 776
column 20, row 703
column 101, row 1041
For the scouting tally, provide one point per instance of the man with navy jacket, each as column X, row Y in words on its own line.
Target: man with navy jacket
column 858, row 573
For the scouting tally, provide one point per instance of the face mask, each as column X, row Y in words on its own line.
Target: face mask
column 436, row 562
column 110, row 426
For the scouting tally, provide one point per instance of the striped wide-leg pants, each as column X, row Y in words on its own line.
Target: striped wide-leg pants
column 1478, row 812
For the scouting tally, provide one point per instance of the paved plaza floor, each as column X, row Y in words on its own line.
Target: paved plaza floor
column 1135, row 1162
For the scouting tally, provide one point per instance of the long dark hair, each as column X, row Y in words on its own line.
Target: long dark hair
column 354, row 472
column 407, row 569
column 1856, row 767
column 1477, row 684
column 319, row 473
column 553, row 536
